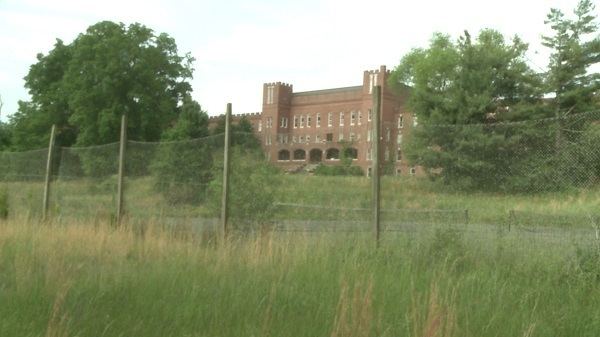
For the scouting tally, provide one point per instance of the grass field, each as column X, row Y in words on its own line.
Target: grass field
column 96, row 199
column 80, row 279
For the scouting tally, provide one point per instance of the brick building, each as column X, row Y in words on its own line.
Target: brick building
column 299, row 129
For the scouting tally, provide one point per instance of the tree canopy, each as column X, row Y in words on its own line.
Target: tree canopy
column 85, row 86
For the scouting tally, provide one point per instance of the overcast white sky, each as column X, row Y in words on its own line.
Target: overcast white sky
column 238, row 45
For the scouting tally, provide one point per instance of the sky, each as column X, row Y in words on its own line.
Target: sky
column 239, row 45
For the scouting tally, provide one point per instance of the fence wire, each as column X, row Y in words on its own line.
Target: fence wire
column 525, row 184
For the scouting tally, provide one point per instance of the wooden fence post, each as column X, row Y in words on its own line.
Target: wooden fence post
column 48, row 173
column 122, row 144
column 225, row 195
column 375, row 168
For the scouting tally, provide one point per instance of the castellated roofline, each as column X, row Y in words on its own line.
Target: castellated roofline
column 248, row 114
column 281, row 84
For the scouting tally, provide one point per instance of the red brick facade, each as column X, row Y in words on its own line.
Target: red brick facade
column 297, row 129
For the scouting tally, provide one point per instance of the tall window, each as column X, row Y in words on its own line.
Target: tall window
column 370, row 115
column 340, row 136
column 400, row 121
column 359, row 117
column 399, row 139
column 301, row 139
column 318, row 120
column 259, row 126
column 294, row 139
column 330, row 119
column 301, row 121
column 307, row 138
column 352, row 136
column 369, row 135
column 352, row 117
column 308, row 121
column 270, row 90
column 398, row 154
column 342, row 118
column 269, row 122
column 295, row 122
column 317, row 139
column 369, row 153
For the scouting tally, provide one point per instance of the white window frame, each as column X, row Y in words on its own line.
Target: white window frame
column 352, row 118
column 370, row 115
column 359, row 117
column 295, row 122
column 330, row 119
column 318, row 123
column 342, row 118
column 340, row 136
column 308, row 120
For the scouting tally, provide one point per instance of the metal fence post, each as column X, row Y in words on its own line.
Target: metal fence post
column 48, row 173
column 375, row 168
column 225, row 195
column 122, row 143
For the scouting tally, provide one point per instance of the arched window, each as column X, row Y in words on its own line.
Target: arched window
column 351, row 153
column 299, row 154
column 316, row 155
column 283, row 155
column 332, row 154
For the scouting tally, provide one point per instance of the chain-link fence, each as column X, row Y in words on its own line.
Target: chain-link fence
column 528, row 183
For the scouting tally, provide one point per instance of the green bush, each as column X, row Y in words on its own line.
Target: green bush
column 338, row 170
column 253, row 184
column 3, row 204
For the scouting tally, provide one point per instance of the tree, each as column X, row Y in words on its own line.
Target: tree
column 458, row 90
column 84, row 87
column 575, row 48
column 183, row 163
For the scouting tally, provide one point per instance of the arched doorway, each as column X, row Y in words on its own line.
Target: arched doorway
column 332, row 154
column 316, row 155
column 299, row 154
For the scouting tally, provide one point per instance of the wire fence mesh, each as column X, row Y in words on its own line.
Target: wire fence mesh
column 527, row 184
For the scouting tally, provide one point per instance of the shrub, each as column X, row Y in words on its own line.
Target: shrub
column 3, row 204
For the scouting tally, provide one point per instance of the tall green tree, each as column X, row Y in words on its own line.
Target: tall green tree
column 459, row 88
column 111, row 69
column 575, row 45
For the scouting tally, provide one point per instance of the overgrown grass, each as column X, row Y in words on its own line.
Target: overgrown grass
column 335, row 194
column 94, row 280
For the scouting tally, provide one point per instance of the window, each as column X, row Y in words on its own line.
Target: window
column 301, row 121
column 370, row 115
column 329, row 137
column 259, row 126
column 318, row 120
column 368, row 171
column 268, row 140
column 369, row 153
column 308, row 121
column 340, row 136
column 301, row 139
column 352, row 137
column 330, row 119
column 307, row 139
column 282, row 123
column 295, row 122
column 399, row 139
column 283, row 155
column 285, row 139
column 398, row 155
column 369, row 135
column 352, row 118
column 270, row 90
column 359, row 117
column 317, row 139
column 342, row 118
column 413, row 171
column 400, row 121
column 269, row 122
column 299, row 154
column 294, row 139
